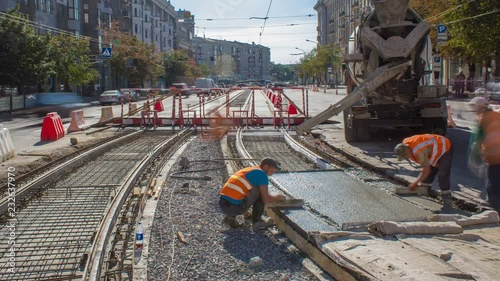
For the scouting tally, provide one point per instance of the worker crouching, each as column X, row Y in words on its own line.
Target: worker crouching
column 434, row 153
column 249, row 188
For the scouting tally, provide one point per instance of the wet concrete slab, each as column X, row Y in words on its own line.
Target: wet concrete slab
column 345, row 199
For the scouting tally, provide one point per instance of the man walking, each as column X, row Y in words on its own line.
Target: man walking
column 489, row 142
column 434, row 153
column 249, row 188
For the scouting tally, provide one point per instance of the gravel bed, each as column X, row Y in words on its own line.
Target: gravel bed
column 213, row 251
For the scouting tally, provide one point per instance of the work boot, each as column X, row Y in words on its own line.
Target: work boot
column 447, row 205
column 422, row 189
column 257, row 225
column 232, row 222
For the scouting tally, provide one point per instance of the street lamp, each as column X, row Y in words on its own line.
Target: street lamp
column 301, row 50
column 311, row 41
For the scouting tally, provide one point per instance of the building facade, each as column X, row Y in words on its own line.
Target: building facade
column 184, row 32
column 337, row 19
column 232, row 60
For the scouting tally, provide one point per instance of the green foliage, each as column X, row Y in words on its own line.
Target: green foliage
column 133, row 59
column 177, row 63
column 470, row 38
column 283, row 72
column 316, row 63
column 24, row 55
column 71, row 57
column 473, row 39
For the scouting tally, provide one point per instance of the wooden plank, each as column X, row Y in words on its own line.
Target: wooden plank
column 312, row 251
column 181, row 237
column 287, row 203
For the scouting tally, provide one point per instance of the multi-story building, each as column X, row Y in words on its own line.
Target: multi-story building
column 337, row 19
column 233, row 60
column 184, row 31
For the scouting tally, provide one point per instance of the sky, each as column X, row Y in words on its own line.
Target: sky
column 287, row 28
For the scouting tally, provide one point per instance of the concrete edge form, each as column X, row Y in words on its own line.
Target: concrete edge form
column 140, row 268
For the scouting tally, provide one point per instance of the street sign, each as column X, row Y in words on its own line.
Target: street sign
column 442, row 29
column 436, row 65
column 106, row 53
column 442, row 33
column 330, row 70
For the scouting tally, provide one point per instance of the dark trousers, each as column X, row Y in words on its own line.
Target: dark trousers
column 494, row 186
column 443, row 171
column 253, row 199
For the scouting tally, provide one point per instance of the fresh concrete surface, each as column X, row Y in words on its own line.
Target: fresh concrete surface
column 345, row 199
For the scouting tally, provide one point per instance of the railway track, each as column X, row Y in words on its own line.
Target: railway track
column 67, row 216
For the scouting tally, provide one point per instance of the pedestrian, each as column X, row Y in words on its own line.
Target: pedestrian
column 249, row 188
column 470, row 83
column 459, row 84
column 489, row 142
column 475, row 162
column 434, row 153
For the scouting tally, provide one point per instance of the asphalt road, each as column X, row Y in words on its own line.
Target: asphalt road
column 25, row 129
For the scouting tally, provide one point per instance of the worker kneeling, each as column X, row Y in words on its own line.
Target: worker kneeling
column 434, row 153
column 249, row 188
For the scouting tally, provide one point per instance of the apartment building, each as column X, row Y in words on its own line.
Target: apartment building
column 233, row 60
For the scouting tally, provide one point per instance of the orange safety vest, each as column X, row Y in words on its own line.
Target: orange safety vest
column 490, row 122
column 439, row 144
column 238, row 187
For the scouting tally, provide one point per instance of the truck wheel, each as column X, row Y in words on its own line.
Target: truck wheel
column 358, row 131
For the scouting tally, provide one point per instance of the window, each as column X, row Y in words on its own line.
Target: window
column 146, row 33
column 135, row 12
column 42, row 5
column 73, row 9
column 146, row 17
column 156, row 37
column 169, row 31
column 136, row 29
column 85, row 6
column 86, row 17
column 170, row 43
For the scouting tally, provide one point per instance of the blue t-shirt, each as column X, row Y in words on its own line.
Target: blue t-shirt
column 256, row 178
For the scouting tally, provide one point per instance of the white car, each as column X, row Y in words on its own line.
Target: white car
column 110, row 97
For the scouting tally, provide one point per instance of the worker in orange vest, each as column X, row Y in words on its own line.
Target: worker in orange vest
column 249, row 188
column 434, row 153
column 489, row 143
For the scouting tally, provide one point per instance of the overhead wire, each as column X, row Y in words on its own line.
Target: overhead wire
column 278, row 17
column 447, row 11
column 246, row 27
column 265, row 21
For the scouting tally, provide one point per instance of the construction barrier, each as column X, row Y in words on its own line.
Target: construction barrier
column 451, row 123
column 292, row 109
column 6, row 145
column 106, row 114
column 77, row 121
column 52, row 127
column 132, row 107
column 159, row 106
column 315, row 89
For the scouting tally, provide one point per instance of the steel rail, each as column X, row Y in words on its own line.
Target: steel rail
column 325, row 262
column 98, row 248
column 60, row 169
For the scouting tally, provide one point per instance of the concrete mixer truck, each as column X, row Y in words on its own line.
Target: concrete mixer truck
column 388, row 66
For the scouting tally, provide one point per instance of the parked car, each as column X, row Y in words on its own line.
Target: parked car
column 221, row 85
column 205, row 84
column 183, row 87
column 133, row 94
column 110, row 97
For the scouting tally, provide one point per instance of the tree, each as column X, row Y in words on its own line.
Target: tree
column 24, row 55
column 73, row 66
column 315, row 64
column 472, row 27
column 133, row 59
column 177, row 63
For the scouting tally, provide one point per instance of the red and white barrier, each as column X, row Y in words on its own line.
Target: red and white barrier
column 106, row 114
column 77, row 121
column 52, row 127
column 6, row 145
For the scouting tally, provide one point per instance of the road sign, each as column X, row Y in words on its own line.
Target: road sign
column 330, row 70
column 442, row 35
column 436, row 66
column 106, row 53
column 442, row 29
